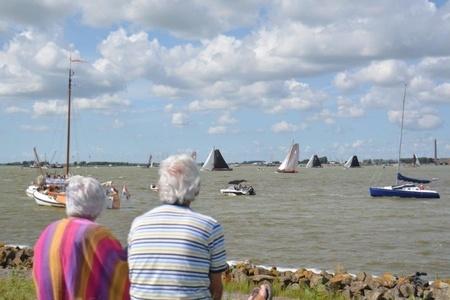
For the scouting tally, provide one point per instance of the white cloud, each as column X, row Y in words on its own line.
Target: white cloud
column 347, row 108
column 50, row 107
column 325, row 116
column 284, row 126
column 193, row 19
column 226, row 119
column 381, row 73
column 436, row 66
column 104, row 102
column 357, row 144
column 179, row 119
column 168, row 108
column 15, row 109
column 217, row 130
column 118, row 123
column 214, row 104
column 35, row 13
column 299, row 96
column 419, row 120
column 34, row 128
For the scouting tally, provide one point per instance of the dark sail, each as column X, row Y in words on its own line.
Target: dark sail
column 409, row 179
column 355, row 162
column 316, row 162
column 219, row 162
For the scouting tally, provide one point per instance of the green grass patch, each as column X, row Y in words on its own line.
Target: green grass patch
column 17, row 286
column 302, row 292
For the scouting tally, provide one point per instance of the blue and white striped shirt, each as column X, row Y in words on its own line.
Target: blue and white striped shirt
column 171, row 251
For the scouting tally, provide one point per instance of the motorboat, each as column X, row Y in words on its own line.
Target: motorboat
column 239, row 190
column 236, row 188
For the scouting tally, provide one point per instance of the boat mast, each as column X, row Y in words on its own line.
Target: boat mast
column 68, row 117
column 401, row 135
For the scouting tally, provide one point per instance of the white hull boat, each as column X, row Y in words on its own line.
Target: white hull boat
column 238, row 191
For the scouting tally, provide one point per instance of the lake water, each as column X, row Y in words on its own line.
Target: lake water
column 317, row 218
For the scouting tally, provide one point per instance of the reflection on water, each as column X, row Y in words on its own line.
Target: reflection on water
column 316, row 218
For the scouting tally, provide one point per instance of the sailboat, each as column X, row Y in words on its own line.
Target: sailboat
column 215, row 162
column 352, row 162
column 314, row 162
column 51, row 191
column 415, row 161
column 408, row 189
column 290, row 162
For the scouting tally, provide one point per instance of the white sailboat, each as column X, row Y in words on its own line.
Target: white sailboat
column 215, row 162
column 51, row 192
column 290, row 162
column 416, row 162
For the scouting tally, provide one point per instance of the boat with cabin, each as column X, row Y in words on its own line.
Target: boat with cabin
column 405, row 187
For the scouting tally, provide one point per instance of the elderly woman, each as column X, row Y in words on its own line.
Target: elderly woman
column 76, row 258
column 174, row 252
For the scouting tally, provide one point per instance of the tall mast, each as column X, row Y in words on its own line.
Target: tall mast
column 68, row 118
column 401, row 134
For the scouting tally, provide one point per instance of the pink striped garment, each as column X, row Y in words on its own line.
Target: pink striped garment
column 76, row 258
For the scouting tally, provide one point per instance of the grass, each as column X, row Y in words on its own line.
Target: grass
column 306, row 293
column 17, row 286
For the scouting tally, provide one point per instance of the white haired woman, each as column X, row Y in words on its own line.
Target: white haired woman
column 76, row 258
column 174, row 252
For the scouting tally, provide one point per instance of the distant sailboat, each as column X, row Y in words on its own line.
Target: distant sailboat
column 290, row 162
column 416, row 162
column 352, row 162
column 215, row 162
column 408, row 189
column 150, row 163
column 314, row 162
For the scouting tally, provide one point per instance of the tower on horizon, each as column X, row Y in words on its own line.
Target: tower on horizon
column 436, row 161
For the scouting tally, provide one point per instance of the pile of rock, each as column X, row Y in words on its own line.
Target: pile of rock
column 360, row 286
column 13, row 257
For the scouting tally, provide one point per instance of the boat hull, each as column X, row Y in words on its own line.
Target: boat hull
column 412, row 193
column 30, row 190
column 49, row 200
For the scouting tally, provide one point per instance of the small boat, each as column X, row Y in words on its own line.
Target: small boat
column 413, row 188
column 215, row 162
column 290, row 162
column 236, row 188
column 154, row 187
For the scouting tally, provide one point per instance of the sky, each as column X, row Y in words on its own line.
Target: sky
column 247, row 77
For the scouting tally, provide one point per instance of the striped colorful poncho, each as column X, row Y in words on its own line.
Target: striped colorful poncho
column 76, row 258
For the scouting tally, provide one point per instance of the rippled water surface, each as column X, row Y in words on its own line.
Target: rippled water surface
column 318, row 218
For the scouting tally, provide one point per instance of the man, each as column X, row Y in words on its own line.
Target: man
column 76, row 258
column 174, row 252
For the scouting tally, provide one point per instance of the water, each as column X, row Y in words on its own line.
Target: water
column 317, row 218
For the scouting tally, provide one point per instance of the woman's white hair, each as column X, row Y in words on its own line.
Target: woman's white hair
column 179, row 180
column 85, row 197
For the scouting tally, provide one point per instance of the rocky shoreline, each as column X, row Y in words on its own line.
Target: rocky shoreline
column 359, row 286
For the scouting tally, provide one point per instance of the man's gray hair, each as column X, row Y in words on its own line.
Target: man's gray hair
column 179, row 180
column 85, row 197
